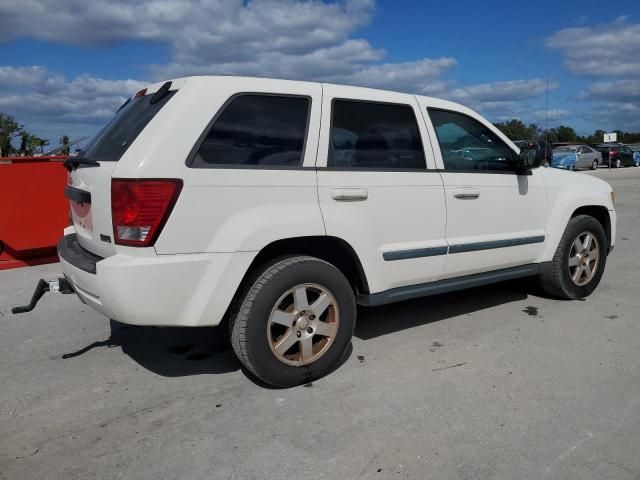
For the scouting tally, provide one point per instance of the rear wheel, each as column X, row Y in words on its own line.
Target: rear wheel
column 295, row 321
column 579, row 261
column 617, row 163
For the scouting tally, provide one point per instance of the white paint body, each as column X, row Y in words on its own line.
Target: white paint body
column 224, row 217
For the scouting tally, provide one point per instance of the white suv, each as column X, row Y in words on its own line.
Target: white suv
column 280, row 205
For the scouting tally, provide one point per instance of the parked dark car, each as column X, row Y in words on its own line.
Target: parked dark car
column 620, row 155
column 544, row 150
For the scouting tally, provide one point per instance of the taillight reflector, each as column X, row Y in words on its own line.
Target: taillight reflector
column 140, row 208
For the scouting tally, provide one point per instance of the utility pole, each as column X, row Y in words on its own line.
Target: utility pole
column 546, row 115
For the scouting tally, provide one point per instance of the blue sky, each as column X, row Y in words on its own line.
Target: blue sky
column 65, row 65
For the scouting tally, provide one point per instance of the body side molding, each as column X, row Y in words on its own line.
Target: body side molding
column 393, row 255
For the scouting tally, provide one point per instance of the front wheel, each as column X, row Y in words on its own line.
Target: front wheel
column 295, row 321
column 594, row 165
column 579, row 261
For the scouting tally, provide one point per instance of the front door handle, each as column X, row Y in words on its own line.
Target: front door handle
column 466, row 193
column 349, row 194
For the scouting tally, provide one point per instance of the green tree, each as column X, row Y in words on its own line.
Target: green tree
column 516, row 130
column 9, row 128
column 64, row 143
column 562, row 134
column 596, row 137
column 31, row 144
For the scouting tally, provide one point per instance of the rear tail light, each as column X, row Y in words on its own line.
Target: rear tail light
column 140, row 208
column 613, row 153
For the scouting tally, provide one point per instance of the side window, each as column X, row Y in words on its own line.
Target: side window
column 374, row 135
column 260, row 130
column 466, row 144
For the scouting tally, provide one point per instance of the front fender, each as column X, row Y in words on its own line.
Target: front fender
column 566, row 193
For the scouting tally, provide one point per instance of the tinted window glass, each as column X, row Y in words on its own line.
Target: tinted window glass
column 374, row 135
column 257, row 130
column 113, row 140
column 468, row 145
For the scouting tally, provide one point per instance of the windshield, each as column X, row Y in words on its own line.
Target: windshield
column 565, row 149
column 113, row 140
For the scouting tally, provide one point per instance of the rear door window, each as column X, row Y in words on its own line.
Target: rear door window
column 257, row 130
column 113, row 140
column 374, row 135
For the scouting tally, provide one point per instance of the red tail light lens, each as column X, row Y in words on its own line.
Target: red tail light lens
column 140, row 208
column 613, row 153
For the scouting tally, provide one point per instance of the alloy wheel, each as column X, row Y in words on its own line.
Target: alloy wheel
column 303, row 324
column 584, row 258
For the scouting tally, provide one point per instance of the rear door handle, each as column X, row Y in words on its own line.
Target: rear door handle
column 349, row 194
column 466, row 193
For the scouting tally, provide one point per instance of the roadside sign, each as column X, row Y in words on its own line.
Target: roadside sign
column 610, row 137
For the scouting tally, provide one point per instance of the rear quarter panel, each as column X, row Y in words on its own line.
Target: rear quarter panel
column 226, row 209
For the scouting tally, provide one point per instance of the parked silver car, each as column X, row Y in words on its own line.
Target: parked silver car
column 573, row 157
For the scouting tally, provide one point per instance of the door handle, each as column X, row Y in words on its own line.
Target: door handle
column 349, row 194
column 466, row 193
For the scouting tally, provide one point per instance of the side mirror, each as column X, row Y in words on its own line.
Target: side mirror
column 529, row 158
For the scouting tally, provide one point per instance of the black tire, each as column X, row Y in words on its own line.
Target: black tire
column 249, row 320
column 617, row 163
column 594, row 165
column 555, row 278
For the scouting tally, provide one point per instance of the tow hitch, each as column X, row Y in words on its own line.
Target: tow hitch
column 61, row 285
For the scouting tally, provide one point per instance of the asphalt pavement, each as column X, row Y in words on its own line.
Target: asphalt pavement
column 498, row 382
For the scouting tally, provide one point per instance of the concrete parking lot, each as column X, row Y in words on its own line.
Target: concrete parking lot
column 496, row 382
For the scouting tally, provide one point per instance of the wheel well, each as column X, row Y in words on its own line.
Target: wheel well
column 330, row 249
column 599, row 213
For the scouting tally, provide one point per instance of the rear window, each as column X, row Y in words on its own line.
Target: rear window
column 113, row 140
column 257, row 130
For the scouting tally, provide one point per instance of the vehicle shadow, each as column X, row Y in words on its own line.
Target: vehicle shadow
column 376, row 321
column 185, row 351
column 171, row 351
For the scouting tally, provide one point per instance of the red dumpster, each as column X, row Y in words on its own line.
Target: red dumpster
column 33, row 209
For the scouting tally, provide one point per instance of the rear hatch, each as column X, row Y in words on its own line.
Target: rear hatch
column 89, row 190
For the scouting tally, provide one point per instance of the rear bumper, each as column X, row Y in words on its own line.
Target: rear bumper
column 162, row 290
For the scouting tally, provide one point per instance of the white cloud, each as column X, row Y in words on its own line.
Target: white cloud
column 627, row 90
column 420, row 76
column 510, row 90
column 283, row 25
column 607, row 50
column 312, row 40
column 552, row 115
column 50, row 105
column 503, row 100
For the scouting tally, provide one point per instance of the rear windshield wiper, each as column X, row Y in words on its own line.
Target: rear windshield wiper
column 72, row 163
